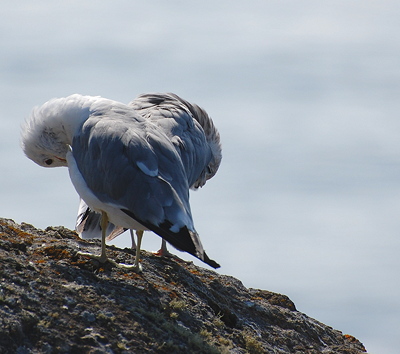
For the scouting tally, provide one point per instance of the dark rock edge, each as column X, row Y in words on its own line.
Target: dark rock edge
column 55, row 301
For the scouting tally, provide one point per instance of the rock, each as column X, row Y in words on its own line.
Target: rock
column 53, row 300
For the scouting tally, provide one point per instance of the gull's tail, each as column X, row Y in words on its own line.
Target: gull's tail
column 88, row 224
column 184, row 240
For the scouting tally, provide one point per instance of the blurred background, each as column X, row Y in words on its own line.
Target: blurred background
column 306, row 98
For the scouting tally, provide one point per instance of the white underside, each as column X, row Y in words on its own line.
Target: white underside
column 113, row 211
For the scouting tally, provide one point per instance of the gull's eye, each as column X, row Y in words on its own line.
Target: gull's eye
column 48, row 161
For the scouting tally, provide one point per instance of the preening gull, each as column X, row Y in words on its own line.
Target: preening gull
column 124, row 166
column 170, row 113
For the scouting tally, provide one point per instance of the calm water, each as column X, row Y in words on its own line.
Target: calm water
column 306, row 97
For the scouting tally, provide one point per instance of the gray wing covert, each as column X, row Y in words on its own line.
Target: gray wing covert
column 122, row 162
column 132, row 164
column 174, row 117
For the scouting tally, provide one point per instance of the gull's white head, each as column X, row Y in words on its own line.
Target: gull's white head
column 46, row 136
column 41, row 142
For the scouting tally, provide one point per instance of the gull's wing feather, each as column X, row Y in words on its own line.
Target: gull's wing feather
column 189, row 128
column 141, row 172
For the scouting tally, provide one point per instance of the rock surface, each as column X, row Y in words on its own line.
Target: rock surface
column 55, row 301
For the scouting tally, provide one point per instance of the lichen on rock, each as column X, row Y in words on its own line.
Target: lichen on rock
column 53, row 300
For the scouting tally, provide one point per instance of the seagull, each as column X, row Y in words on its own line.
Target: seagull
column 170, row 113
column 124, row 166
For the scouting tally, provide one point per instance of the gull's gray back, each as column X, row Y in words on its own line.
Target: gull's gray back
column 194, row 137
column 127, row 161
column 190, row 130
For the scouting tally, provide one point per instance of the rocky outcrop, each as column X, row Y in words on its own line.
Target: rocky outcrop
column 53, row 300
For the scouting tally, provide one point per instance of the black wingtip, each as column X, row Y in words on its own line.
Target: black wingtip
column 183, row 240
column 210, row 262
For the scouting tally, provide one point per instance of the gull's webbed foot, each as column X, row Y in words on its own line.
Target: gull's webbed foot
column 104, row 259
column 134, row 267
column 163, row 251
